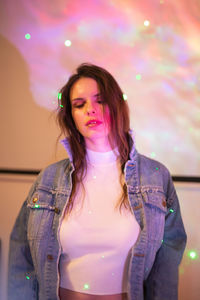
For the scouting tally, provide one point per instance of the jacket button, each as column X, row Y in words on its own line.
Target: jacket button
column 50, row 257
column 57, row 210
column 35, row 199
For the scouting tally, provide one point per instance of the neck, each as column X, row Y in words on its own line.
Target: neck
column 99, row 145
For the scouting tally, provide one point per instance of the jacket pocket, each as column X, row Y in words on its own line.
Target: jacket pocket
column 155, row 199
column 155, row 210
column 42, row 211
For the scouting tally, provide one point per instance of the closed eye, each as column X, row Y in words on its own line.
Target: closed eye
column 82, row 104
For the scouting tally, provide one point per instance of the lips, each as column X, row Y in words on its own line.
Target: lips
column 94, row 121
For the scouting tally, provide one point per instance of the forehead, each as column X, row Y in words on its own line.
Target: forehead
column 84, row 87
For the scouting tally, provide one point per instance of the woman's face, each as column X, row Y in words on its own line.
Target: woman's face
column 87, row 104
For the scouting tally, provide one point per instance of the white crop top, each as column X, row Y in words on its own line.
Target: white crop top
column 95, row 238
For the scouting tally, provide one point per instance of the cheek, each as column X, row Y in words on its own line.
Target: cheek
column 107, row 116
column 77, row 117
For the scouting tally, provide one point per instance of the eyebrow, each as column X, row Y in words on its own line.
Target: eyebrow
column 81, row 99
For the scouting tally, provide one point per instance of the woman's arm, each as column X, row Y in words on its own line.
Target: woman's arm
column 22, row 282
column 162, row 282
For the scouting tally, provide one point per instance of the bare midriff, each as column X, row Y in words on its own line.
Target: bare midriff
column 66, row 294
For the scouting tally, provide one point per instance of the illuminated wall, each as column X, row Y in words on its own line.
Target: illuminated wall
column 151, row 47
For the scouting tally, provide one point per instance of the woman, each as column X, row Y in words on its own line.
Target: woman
column 104, row 223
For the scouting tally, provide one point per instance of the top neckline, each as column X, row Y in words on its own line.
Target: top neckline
column 101, row 158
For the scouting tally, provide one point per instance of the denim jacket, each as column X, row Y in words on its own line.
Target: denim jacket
column 35, row 248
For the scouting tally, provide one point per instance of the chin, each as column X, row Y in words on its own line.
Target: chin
column 95, row 134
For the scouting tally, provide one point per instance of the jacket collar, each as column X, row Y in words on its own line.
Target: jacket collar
column 65, row 142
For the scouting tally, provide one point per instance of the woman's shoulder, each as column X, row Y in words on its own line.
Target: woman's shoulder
column 153, row 173
column 57, row 169
column 151, row 164
column 61, row 164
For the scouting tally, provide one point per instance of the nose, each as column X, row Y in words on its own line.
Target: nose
column 90, row 108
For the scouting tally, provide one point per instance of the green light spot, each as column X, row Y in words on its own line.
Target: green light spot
column 36, row 206
column 153, row 154
column 27, row 36
column 192, row 254
column 125, row 97
column 162, row 241
column 138, row 77
column 59, row 96
column 156, row 168
column 102, row 256
column 171, row 210
column 86, row 286
column 61, row 105
column 175, row 149
column 27, row 277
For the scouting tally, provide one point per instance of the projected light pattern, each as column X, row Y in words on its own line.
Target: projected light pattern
column 192, row 254
column 86, row 286
column 68, row 43
column 27, row 36
column 152, row 48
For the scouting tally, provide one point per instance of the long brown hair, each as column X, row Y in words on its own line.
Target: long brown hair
column 120, row 125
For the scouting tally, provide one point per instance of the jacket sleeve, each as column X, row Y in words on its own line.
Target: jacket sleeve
column 162, row 282
column 22, row 283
